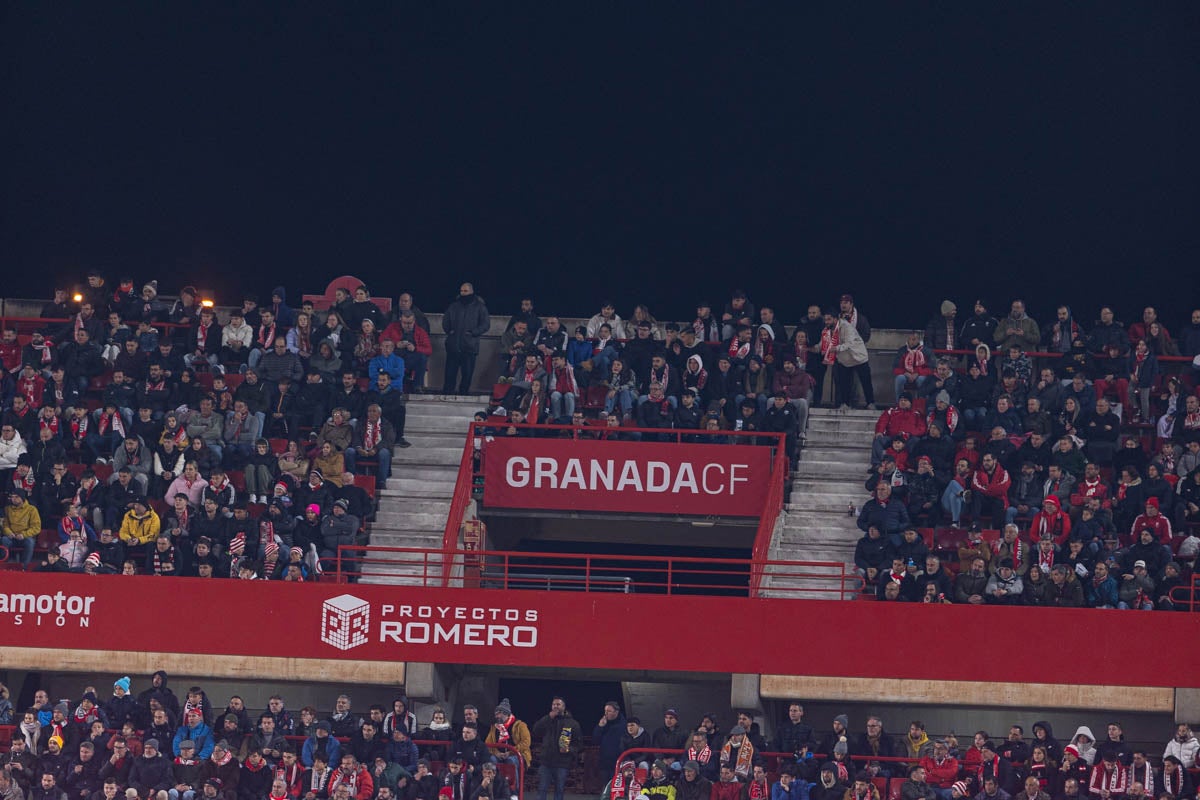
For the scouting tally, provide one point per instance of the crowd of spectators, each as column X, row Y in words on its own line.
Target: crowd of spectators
column 156, row 745
column 154, row 438
column 1084, row 463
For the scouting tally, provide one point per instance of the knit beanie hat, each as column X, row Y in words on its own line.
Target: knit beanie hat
column 122, row 682
column 505, row 708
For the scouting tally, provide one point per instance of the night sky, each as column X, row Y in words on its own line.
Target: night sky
column 656, row 152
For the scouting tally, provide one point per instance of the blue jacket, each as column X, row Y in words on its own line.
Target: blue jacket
column 333, row 748
column 608, row 738
column 1103, row 595
column 393, row 365
column 797, row 791
column 578, row 352
column 403, row 753
column 201, row 735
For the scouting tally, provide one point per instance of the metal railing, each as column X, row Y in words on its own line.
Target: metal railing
column 674, row 575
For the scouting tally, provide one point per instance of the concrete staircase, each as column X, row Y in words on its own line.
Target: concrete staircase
column 413, row 507
column 816, row 525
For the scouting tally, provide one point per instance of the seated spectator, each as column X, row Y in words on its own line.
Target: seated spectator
column 376, row 438
column 1005, row 587
column 912, row 366
column 989, row 491
column 957, row 492
column 607, row 316
column 797, row 385
column 900, row 575
column 1025, row 495
column 563, row 390
column 884, row 512
column 900, row 421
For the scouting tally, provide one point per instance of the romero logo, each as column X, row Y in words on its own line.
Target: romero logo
column 345, row 620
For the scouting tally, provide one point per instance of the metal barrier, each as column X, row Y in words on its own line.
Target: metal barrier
column 673, row 575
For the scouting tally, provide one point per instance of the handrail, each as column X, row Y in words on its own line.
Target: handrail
column 1041, row 354
column 766, row 523
column 673, row 575
column 458, row 501
column 678, row 433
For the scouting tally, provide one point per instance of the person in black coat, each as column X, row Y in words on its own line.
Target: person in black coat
column 152, row 772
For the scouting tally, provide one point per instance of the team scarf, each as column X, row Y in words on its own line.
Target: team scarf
column 373, row 434
column 238, row 422
column 502, row 729
column 622, row 789
column 25, row 483
column 1139, row 360
column 289, row 775
column 1016, row 550
column 699, row 756
column 1045, row 559
column 266, row 336
column 1191, row 422
column 829, row 345
column 1147, row 781
column 757, row 790
column 663, row 377
column 113, row 421
column 28, row 387
column 914, row 360
column 995, row 769
column 318, row 781
column 202, row 335
column 49, row 422
column 161, row 560
column 79, row 428
column 745, row 756
column 71, row 524
column 1114, row 780
column 1173, row 780
column 45, row 348
column 739, row 349
column 842, row 772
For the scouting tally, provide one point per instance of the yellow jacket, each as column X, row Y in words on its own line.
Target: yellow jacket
column 139, row 530
column 22, row 522
column 518, row 737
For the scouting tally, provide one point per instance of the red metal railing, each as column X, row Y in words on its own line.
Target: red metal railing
column 766, row 523
column 536, row 571
column 1187, row 596
column 1039, row 354
column 458, row 502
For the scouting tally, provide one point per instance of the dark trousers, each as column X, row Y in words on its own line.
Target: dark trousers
column 457, row 363
column 843, row 382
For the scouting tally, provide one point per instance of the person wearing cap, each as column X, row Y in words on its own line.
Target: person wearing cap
column 185, row 772
column 691, row 784
column 941, row 333
column 1006, row 586
column 624, row 784
column 507, row 729
column 152, row 772
column 21, row 526
column 338, row 528
column 1136, row 589
column 941, row 770
column 738, row 751
column 139, row 527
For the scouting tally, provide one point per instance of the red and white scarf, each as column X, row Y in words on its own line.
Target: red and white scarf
column 699, row 756
column 757, row 790
column 113, row 421
column 373, row 434
column 829, row 345
column 266, row 336
column 623, row 790
column 502, row 729
column 1115, row 780
column 49, row 422
column 914, row 360
column 202, row 335
column 25, row 483
column 79, row 428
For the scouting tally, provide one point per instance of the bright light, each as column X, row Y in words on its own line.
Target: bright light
column 77, row 297
column 206, row 303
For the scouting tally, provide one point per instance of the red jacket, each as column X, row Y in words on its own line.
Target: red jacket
column 419, row 337
column 1058, row 525
column 726, row 791
column 896, row 422
column 10, row 355
column 1158, row 523
column 1084, row 491
column 940, row 775
column 994, row 486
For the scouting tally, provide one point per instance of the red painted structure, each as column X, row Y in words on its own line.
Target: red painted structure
column 584, row 631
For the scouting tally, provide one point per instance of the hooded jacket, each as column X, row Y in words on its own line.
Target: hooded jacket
column 1087, row 752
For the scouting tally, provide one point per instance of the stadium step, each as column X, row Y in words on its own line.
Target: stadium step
column 828, row 479
column 414, row 506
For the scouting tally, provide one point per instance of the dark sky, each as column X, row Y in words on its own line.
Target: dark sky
column 906, row 151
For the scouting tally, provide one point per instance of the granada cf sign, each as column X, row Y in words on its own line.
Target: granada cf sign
column 649, row 478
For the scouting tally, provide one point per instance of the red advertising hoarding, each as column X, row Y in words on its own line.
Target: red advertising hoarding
column 663, row 478
column 578, row 630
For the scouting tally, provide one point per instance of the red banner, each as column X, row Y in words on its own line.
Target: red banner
column 663, row 478
column 574, row 630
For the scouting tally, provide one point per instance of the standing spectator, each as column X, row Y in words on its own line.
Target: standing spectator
column 843, row 349
column 560, row 737
column 607, row 735
column 464, row 322
column 942, row 333
column 1018, row 328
